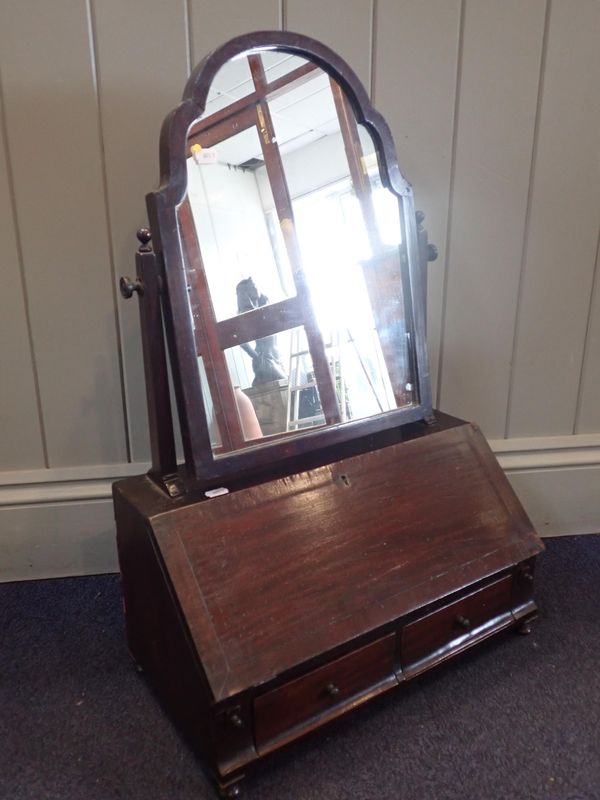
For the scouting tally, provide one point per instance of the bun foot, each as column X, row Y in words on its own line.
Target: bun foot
column 230, row 792
column 524, row 629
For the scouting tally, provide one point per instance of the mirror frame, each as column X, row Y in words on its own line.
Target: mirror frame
column 201, row 462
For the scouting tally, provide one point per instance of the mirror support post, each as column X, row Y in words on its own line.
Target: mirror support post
column 427, row 252
column 160, row 418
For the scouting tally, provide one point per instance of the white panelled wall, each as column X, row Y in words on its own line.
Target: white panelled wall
column 495, row 108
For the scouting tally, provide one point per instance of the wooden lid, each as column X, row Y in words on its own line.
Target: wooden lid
column 271, row 576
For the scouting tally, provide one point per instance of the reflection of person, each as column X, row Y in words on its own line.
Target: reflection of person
column 248, row 419
column 265, row 356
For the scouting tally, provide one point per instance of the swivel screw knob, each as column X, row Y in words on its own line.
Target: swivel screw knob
column 432, row 252
column 127, row 287
column 144, row 236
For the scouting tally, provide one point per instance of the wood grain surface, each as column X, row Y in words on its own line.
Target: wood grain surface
column 273, row 575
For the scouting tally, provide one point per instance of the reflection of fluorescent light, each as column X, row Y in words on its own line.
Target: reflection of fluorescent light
column 203, row 155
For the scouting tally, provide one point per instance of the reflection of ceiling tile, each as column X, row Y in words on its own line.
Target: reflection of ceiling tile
column 239, row 148
column 301, row 115
column 303, row 111
column 298, row 142
column 233, row 79
column 278, row 64
column 216, row 103
column 316, row 85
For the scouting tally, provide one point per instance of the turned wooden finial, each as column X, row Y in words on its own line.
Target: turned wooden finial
column 144, row 236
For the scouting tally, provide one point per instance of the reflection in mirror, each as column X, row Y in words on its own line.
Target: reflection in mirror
column 295, row 258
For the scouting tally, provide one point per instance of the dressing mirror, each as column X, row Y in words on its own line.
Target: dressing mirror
column 329, row 537
column 291, row 260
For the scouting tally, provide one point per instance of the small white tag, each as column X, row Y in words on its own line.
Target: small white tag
column 204, row 155
column 216, row 492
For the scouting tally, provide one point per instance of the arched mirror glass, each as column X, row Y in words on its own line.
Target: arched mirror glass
column 295, row 257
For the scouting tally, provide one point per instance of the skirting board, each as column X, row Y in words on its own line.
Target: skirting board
column 59, row 522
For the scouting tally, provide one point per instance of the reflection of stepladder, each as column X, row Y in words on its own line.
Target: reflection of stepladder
column 302, row 395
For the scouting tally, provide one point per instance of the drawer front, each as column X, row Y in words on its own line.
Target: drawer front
column 456, row 623
column 325, row 692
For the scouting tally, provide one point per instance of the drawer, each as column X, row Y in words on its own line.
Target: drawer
column 324, row 693
column 455, row 625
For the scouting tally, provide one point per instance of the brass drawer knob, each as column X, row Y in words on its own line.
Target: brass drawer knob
column 463, row 622
column 332, row 690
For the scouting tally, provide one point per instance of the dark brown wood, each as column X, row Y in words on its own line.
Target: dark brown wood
column 269, row 320
column 383, row 274
column 274, row 89
column 223, row 397
column 264, row 321
column 200, row 460
column 285, row 214
column 324, row 693
column 456, row 624
column 331, row 566
column 223, row 129
column 158, row 399
column 289, row 524
column 263, row 614
column 358, row 175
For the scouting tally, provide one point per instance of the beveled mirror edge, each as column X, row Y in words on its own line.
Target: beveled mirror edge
column 200, row 461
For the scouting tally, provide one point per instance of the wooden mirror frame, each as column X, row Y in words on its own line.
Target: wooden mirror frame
column 162, row 204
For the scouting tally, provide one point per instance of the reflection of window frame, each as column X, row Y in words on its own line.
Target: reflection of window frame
column 214, row 337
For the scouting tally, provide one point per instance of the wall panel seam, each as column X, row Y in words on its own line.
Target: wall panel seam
column 23, row 277
column 526, row 227
column 373, row 49
column 109, row 231
column 584, row 356
column 187, row 21
column 448, row 237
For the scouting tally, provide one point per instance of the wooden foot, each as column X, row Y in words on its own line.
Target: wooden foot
column 230, row 791
column 136, row 664
column 524, row 628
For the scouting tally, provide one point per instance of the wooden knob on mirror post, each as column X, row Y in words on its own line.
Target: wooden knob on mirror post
column 144, row 236
column 432, row 252
column 127, row 286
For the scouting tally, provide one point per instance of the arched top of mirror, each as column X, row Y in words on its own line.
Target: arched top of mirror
column 295, row 321
column 197, row 90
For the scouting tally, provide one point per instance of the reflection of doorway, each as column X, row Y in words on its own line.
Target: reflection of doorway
column 285, row 270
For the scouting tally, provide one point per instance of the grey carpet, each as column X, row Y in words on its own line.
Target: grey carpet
column 517, row 718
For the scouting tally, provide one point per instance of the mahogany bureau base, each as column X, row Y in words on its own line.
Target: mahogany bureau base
column 262, row 614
